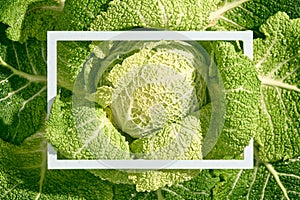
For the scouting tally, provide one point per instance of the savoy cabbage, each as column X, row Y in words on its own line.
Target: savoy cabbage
column 261, row 95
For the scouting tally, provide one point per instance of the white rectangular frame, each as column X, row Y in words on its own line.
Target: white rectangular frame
column 54, row 36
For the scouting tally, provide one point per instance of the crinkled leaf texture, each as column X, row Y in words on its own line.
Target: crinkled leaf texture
column 71, row 56
column 80, row 129
column 24, row 175
column 199, row 187
column 29, row 18
column 269, row 87
column 266, row 181
column 168, row 14
column 22, row 88
column 14, row 17
column 61, row 128
column 241, row 87
column 252, row 14
column 277, row 60
column 77, row 15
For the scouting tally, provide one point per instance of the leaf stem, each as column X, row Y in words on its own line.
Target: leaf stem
column 277, row 83
column 276, row 176
column 159, row 195
column 228, row 6
column 31, row 78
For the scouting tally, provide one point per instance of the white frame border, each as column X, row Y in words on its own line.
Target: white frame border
column 53, row 36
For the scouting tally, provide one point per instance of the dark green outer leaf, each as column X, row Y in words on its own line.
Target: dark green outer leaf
column 23, row 88
column 267, row 181
column 241, row 88
column 167, row 14
column 252, row 14
column 24, row 175
column 277, row 60
column 195, row 189
column 17, row 13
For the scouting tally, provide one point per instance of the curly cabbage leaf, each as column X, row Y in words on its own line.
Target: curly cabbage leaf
column 24, row 175
column 241, row 87
column 277, row 60
column 186, row 190
column 252, row 14
column 77, row 15
column 175, row 137
column 31, row 18
column 22, row 88
column 266, row 181
column 179, row 15
column 70, row 57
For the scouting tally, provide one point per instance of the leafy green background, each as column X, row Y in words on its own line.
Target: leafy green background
column 23, row 27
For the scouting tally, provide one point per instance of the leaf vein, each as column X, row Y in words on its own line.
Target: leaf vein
column 264, row 187
column 276, row 176
column 23, row 106
column 172, row 192
column 277, row 83
column 234, row 183
column 30, row 61
column 275, row 69
column 10, row 94
column 253, row 180
column 290, row 175
column 12, row 188
column 163, row 13
column 289, row 74
column 267, row 54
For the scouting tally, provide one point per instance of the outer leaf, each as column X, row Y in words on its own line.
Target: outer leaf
column 13, row 14
column 40, row 17
column 62, row 128
column 24, row 175
column 252, row 14
column 71, row 56
column 85, row 129
column 197, row 188
column 77, row 15
column 241, row 87
column 179, row 15
column 277, row 61
column 267, row 181
column 23, row 88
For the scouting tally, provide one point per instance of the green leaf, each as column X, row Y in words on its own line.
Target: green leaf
column 277, row 60
column 266, row 181
column 77, row 15
column 75, row 143
column 275, row 83
column 85, row 130
column 179, row 15
column 252, row 14
column 23, row 88
column 71, row 56
column 14, row 13
column 241, row 88
column 199, row 187
column 40, row 17
column 24, row 175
